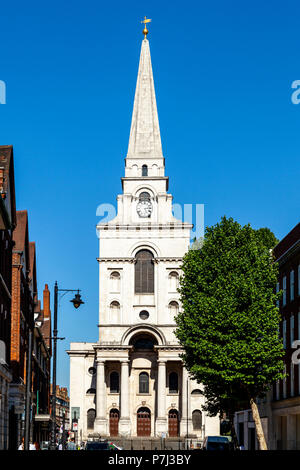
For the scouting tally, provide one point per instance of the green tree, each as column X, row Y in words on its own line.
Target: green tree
column 229, row 322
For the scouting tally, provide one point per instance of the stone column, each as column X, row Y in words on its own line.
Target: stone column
column 101, row 420
column 186, row 412
column 161, row 420
column 124, row 424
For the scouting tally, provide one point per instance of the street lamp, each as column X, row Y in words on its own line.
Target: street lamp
column 76, row 301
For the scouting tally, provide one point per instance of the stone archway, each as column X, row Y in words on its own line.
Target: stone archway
column 143, row 422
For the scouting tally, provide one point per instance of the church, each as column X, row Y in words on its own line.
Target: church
column 132, row 382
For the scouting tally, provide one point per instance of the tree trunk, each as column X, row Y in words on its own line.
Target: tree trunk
column 258, row 426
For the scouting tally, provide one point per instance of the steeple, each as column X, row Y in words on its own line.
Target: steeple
column 144, row 140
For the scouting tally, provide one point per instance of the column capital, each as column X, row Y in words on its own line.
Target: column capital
column 100, row 362
column 162, row 362
column 124, row 361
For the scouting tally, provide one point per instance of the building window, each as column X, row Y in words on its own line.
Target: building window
column 284, row 383
column 197, row 420
column 91, row 416
column 144, row 315
column 91, row 391
column 292, row 327
column 144, row 170
column 143, row 341
column 173, row 308
column 173, row 281
column 292, row 378
column 196, row 392
column 284, row 290
column 277, row 390
column 92, row 371
column 292, row 285
column 143, row 382
column 114, row 382
column 284, row 333
column 277, row 290
column 173, row 382
column 115, row 282
column 115, row 309
column 144, row 272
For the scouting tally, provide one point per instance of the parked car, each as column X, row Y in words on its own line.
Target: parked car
column 97, row 445
column 216, row 443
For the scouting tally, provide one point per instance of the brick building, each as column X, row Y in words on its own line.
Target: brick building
column 286, row 394
column 20, row 311
column 22, row 319
column 7, row 225
column 41, row 370
column 62, row 409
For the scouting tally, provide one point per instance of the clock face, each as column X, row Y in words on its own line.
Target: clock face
column 144, row 208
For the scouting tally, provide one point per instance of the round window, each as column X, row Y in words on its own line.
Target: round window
column 144, row 315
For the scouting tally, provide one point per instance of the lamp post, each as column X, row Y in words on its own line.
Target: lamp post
column 76, row 301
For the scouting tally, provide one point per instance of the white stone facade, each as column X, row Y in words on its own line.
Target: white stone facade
column 141, row 250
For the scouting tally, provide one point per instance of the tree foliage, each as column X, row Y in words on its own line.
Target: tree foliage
column 229, row 322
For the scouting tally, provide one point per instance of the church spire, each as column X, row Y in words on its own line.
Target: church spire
column 144, row 140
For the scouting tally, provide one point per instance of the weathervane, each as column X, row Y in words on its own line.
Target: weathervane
column 145, row 21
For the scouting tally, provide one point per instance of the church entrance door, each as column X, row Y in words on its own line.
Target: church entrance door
column 173, row 423
column 114, row 422
column 143, row 422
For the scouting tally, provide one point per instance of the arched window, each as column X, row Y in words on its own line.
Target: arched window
column 91, row 416
column 173, row 281
column 196, row 392
column 197, row 420
column 115, row 281
column 144, row 272
column 114, row 382
column 115, row 307
column 173, row 382
column 143, row 341
column 173, row 308
column 143, row 382
column 91, row 391
column 144, row 170
column 154, row 170
column 144, row 197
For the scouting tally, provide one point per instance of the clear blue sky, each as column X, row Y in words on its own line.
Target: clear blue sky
column 230, row 133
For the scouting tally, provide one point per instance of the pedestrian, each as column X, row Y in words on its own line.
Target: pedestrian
column 21, row 446
column 37, row 446
column 71, row 444
column 31, row 446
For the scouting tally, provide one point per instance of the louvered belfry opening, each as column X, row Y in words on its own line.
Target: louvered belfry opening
column 144, row 272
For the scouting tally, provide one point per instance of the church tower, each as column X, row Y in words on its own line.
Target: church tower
column 132, row 381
